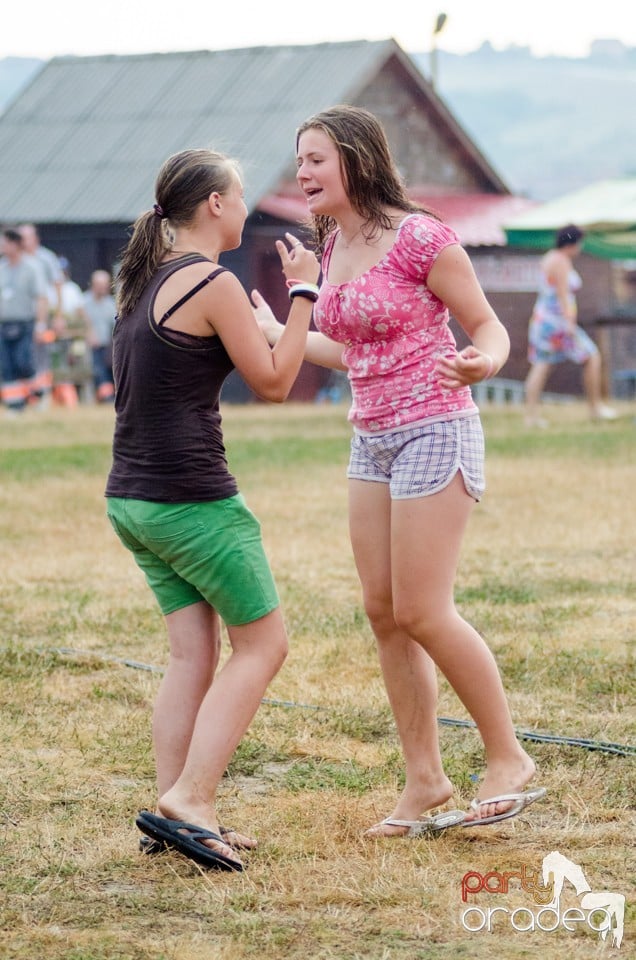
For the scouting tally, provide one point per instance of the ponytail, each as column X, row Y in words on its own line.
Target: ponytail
column 145, row 250
column 184, row 182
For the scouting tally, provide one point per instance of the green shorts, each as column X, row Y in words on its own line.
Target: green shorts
column 190, row 552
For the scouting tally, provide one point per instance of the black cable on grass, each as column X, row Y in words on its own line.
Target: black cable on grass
column 602, row 746
column 625, row 750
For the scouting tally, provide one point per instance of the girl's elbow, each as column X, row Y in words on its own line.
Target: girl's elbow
column 278, row 396
column 274, row 393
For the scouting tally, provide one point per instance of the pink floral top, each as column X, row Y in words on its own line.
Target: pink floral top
column 394, row 330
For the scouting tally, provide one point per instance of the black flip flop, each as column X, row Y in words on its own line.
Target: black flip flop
column 151, row 847
column 187, row 839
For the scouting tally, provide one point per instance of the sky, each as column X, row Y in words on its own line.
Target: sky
column 48, row 28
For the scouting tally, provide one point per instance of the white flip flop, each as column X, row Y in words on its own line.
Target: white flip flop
column 519, row 802
column 434, row 824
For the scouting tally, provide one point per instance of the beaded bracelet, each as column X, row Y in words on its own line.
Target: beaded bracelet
column 308, row 290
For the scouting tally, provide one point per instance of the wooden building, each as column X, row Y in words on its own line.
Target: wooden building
column 81, row 145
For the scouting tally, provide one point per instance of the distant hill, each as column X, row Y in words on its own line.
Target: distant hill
column 548, row 125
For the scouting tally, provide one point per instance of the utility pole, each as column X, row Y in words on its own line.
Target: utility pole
column 437, row 29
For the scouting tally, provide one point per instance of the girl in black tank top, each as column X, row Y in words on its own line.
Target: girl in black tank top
column 183, row 324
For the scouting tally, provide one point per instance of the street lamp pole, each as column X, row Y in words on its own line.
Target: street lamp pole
column 437, row 29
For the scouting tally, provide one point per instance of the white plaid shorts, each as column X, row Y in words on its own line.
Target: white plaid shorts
column 422, row 460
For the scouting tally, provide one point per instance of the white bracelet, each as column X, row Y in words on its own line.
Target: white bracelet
column 308, row 290
column 491, row 368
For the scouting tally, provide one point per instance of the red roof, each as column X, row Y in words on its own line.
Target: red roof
column 477, row 218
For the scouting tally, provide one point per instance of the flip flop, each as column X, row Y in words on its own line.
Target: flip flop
column 151, row 847
column 427, row 825
column 187, row 839
column 519, row 802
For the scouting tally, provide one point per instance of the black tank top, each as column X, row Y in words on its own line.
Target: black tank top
column 168, row 442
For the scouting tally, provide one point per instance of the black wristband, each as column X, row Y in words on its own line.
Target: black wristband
column 306, row 294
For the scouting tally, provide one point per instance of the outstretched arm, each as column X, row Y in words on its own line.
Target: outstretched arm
column 270, row 373
column 318, row 348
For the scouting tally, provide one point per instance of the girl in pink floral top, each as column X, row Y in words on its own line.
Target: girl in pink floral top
column 391, row 274
column 395, row 331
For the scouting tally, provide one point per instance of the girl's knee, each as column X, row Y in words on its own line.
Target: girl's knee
column 421, row 624
column 378, row 604
column 280, row 651
column 271, row 636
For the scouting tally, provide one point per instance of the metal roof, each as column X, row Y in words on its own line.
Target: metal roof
column 605, row 205
column 606, row 210
column 477, row 218
column 84, row 140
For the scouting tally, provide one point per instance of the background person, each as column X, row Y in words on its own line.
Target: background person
column 23, row 305
column 48, row 259
column 391, row 274
column 171, row 497
column 99, row 306
column 554, row 334
column 46, row 330
column 69, row 353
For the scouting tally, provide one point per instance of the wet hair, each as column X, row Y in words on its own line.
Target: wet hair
column 184, row 182
column 370, row 175
column 567, row 236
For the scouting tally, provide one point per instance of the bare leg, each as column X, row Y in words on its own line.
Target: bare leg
column 409, row 673
column 224, row 714
column 592, row 382
column 592, row 385
column 195, row 642
column 534, row 387
column 425, row 542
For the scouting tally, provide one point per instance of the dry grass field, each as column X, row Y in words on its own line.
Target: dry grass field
column 547, row 575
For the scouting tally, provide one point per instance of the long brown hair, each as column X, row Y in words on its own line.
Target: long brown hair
column 370, row 175
column 185, row 180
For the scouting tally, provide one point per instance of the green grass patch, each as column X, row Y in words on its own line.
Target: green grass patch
column 318, row 774
column 47, row 462
column 546, row 575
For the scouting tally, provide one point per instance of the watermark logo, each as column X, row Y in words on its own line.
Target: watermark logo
column 602, row 911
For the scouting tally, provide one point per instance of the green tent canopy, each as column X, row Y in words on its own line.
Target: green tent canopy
column 606, row 211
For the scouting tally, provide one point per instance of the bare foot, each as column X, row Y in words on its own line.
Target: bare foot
column 499, row 780
column 238, row 841
column 410, row 806
column 204, row 816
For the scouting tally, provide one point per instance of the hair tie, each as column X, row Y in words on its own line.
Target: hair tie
column 158, row 210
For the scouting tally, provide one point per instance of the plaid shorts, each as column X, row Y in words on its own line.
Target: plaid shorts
column 423, row 459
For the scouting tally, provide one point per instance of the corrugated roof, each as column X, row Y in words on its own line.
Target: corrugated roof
column 477, row 218
column 83, row 141
column 608, row 204
column 605, row 210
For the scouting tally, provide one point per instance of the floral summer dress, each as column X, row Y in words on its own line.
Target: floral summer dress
column 549, row 338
